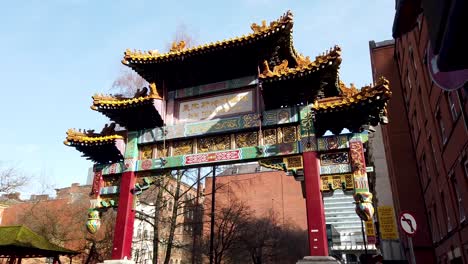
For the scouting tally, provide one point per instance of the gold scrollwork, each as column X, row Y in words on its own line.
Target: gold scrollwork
column 337, row 182
column 182, row 147
column 248, row 139
column 217, row 143
column 269, row 137
column 289, row 134
column 293, row 162
column 146, row 152
column 162, row 150
column 111, row 181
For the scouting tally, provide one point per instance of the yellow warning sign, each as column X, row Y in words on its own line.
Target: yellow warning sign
column 387, row 222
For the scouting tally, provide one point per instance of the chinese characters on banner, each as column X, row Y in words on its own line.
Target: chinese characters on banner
column 215, row 107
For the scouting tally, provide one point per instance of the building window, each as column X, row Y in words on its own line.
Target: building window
column 411, row 54
column 437, row 223
column 419, row 21
column 409, row 80
column 446, row 212
column 454, row 104
column 440, row 121
column 431, row 226
column 433, row 149
column 458, row 197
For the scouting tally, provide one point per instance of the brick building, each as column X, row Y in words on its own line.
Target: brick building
column 426, row 145
column 263, row 190
column 272, row 193
column 60, row 219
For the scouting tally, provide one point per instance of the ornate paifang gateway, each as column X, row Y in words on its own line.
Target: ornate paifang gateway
column 250, row 98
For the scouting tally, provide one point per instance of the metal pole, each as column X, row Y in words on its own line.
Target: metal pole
column 410, row 244
column 364, row 237
column 195, row 210
column 213, row 197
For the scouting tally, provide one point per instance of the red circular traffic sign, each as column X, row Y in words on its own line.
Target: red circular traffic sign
column 407, row 223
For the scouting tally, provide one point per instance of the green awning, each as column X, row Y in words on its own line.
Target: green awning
column 20, row 241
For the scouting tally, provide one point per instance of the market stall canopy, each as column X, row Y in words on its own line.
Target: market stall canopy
column 21, row 242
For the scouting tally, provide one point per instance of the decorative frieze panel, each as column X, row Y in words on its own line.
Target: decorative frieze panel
column 334, row 169
column 182, row 147
column 162, row 150
column 333, row 182
column 289, row 134
column 113, row 180
column 222, row 125
column 294, row 162
column 146, row 152
column 291, row 163
column 247, row 153
column 248, row 139
column 114, row 168
column 332, row 142
column 269, row 136
column 334, row 158
column 209, row 144
column 109, row 190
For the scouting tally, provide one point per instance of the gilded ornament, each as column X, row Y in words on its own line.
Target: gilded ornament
column 341, row 181
column 177, row 47
column 182, row 147
column 216, row 143
column 162, row 150
column 269, row 137
column 87, row 137
column 147, row 152
column 248, row 139
column 289, row 134
column 364, row 208
column 334, row 158
column 94, row 222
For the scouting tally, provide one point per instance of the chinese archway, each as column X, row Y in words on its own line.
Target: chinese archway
column 249, row 98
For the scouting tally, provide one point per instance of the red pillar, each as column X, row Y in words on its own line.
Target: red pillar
column 123, row 231
column 318, row 244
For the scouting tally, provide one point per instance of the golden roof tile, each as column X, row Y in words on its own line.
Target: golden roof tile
column 304, row 64
column 180, row 49
column 380, row 91
column 88, row 137
column 100, row 100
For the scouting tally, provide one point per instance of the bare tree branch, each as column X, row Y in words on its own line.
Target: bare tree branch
column 11, row 179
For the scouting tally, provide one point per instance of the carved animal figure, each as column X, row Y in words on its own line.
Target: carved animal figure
column 177, row 46
column 141, row 93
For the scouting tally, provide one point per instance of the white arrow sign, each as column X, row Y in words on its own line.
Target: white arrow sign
column 408, row 223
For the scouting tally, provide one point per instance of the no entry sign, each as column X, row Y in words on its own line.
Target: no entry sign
column 408, row 223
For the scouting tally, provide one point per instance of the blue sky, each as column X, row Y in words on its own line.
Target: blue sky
column 56, row 54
